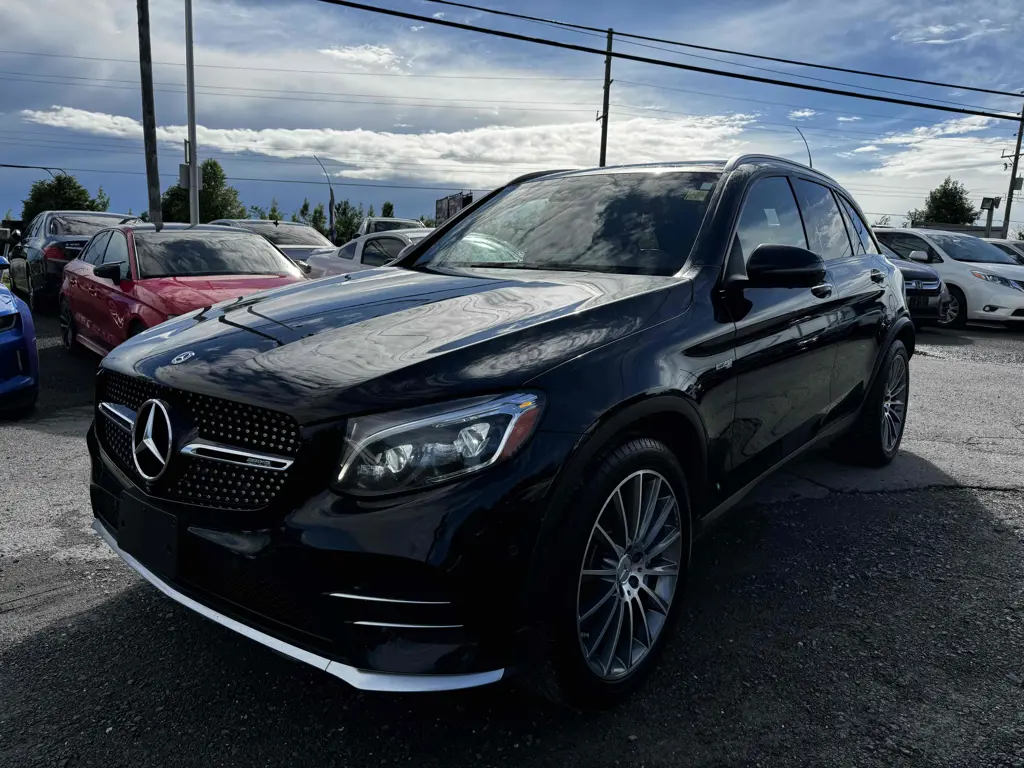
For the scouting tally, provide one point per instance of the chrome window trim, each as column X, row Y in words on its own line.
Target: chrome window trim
column 216, row 452
column 358, row 678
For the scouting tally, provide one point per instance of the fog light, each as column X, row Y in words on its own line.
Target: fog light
column 989, row 308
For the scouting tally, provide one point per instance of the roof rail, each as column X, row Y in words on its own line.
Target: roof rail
column 751, row 158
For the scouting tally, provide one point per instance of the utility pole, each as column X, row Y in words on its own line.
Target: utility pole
column 1013, row 179
column 149, row 116
column 193, row 149
column 607, row 95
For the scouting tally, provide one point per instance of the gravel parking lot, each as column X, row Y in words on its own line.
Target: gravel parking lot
column 841, row 617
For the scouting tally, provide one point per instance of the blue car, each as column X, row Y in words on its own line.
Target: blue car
column 19, row 359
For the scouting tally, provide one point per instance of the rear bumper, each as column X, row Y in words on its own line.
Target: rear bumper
column 358, row 678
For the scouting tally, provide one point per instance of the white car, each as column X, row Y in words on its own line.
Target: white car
column 1013, row 247
column 364, row 252
column 372, row 224
column 984, row 282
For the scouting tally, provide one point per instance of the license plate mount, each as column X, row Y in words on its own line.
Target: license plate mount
column 918, row 302
column 148, row 535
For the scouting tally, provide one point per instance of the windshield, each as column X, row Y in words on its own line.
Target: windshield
column 83, row 223
column 171, row 254
column 286, row 234
column 968, row 248
column 386, row 225
column 629, row 223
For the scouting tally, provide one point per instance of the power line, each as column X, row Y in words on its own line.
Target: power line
column 302, row 71
column 730, row 52
column 661, row 62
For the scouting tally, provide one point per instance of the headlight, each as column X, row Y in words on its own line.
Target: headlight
column 398, row 452
column 998, row 279
column 8, row 322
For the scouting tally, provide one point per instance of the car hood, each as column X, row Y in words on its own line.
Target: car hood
column 388, row 338
column 1012, row 271
column 912, row 271
column 181, row 295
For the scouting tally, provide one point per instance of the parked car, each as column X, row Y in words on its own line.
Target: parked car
column 984, row 283
column 296, row 241
column 372, row 224
column 130, row 278
column 364, row 252
column 1014, row 248
column 52, row 239
column 439, row 475
column 19, row 358
column 927, row 296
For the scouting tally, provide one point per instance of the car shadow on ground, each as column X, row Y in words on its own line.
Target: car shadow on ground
column 862, row 628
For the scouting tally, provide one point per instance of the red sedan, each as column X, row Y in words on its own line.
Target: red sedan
column 131, row 277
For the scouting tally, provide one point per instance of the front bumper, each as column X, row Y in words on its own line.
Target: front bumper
column 994, row 303
column 424, row 595
column 928, row 306
column 19, row 365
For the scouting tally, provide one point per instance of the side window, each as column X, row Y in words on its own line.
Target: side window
column 860, row 230
column 33, row 228
column 93, row 253
column 770, row 216
column 347, row 251
column 392, row 245
column 904, row 242
column 117, row 251
column 825, row 227
column 374, row 254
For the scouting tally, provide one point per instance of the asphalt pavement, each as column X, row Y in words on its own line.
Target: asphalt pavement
column 842, row 616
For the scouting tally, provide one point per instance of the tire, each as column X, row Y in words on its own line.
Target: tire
column 874, row 440
column 957, row 305
column 68, row 329
column 135, row 328
column 591, row 594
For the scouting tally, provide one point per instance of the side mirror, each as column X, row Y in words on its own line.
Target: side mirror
column 109, row 271
column 784, row 266
column 4, row 264
column 304, row 266
column 921, row 256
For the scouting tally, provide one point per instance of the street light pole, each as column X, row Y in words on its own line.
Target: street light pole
column 190, row 89
column 332, row 195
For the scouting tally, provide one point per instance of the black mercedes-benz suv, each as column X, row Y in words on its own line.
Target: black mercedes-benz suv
column 493, row 458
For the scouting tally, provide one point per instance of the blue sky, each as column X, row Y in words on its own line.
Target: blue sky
column 407, row 112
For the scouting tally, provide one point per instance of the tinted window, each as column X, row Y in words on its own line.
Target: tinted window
column 348, row 251
column 81, row 223
column 770, row 216
column 825, row 228
column 392, row 245
column 860, row 231
column 32, row 230
column 117, row 251
column 904, row 242
column 286, row 234
column 94, row 251
column 374, row 254
column 631, row 223
column 387, row 226
column 168, row 253
column 968, row 248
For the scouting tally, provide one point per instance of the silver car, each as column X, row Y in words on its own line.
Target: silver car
column 364, row 252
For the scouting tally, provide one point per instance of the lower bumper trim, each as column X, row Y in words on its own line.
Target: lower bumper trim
column 357, row 678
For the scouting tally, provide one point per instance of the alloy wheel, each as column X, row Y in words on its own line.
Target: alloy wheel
column 952, row 311
column 67, row 328
column 894, row 403
column 629, row 574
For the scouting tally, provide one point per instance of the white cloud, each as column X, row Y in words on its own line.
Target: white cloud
column 479, row 157
column 366, row 56
column 947, row 34
column 848, row 119
column 417, row 28
column 438, row 15
column 802, row 114
column 868, row 148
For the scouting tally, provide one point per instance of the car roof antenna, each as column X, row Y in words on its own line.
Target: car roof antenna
column 810, row 160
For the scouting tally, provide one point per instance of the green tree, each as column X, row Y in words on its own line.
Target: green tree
column 347, row 218
column 883, row 221
column 272, row 214
column 315, row 217
column 428, row 221
column 217, row 199
column 63, row 193
column 387, row 210
column 948, row 203
column 9, row 215
column 369, row 211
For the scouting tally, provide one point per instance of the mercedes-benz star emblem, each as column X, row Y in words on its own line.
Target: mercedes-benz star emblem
column 183, row 357
column 152, row 440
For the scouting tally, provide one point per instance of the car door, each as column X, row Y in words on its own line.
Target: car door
column 381, row 250
column 785, row 343
column 333, row 262
column 860, row 276
column 113, row 302
column 85, row 300
column 20, row 253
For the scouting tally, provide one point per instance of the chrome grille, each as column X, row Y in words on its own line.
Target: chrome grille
column 196, row 478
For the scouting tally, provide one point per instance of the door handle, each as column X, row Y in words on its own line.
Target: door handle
column 823, row 291
column 877, row 276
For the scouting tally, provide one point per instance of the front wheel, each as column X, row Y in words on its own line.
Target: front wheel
column 625, row 550
column 875, row 438
column 68, row 331
column 956, row 315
